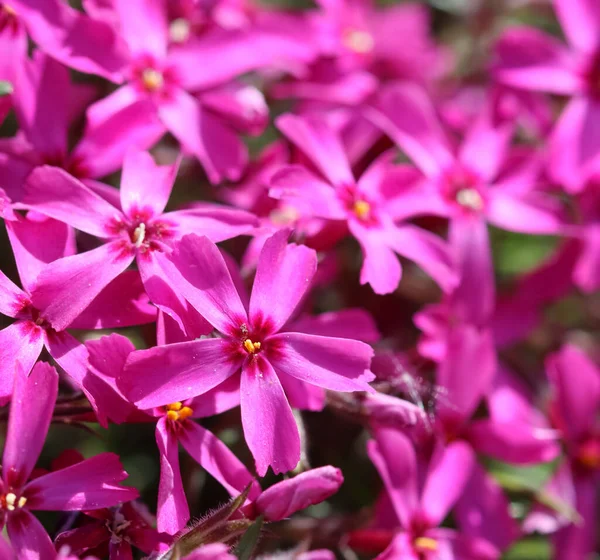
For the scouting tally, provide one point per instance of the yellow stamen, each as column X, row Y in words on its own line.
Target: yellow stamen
column 22, row 501
column 139, row 235
column 362, row 209
column 176, row 411
column 152, row 79
column 469, row 198
column 426, row 543
column 12, row 503
column 251, row 347
column 175, row 406
column 359, row 41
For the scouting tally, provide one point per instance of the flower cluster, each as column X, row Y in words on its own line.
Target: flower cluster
column 396, row 280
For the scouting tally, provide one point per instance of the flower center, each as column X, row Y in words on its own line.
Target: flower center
column 425, row 544
column 588, row 454
column 358, row 41
column 139, row 234
column 362, row 209
column 177, row 412
column 251, row 347
column 11, row 501
column 470, row 198
column 179, row 30
column 152, row 79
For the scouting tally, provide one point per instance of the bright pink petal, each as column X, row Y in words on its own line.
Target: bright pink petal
column 172, row 512
column 222, row 154
column 224, row 396
column 283, row 276
column 55, row 193
column 285, row 498
column 447, row 475
column 29, row 538
column 146, row 184
column 532, row 59
column 90, row 484
column 456, row 545
column 67, row 286
column 205, row 282
column 469, row 349
column 345, row 323
column 320, row 144
column 587, row 271
column 576, row 382
column 35, row 391
column 144, row 26
column 301, row 395
column 217, row 459
column 580, row 20
column 406, row 115
column 176, row 372
column 338, row 364
column 427, row 250
column 123, row 303
column 12, row 298
column 307, row 193
column 36, row 243
column 20, row 343
column 269, row 426
column 393, row 455
column 73, row 38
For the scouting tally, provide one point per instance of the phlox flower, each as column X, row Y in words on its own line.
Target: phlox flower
column 253, row 338
column 364, row 205
column 138, row 230
column 87, row 485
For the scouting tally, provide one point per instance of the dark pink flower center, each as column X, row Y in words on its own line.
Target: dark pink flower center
column 153, row 78
column 141, row 231
column 12, row 501
column 358, row 205
column 463, row 188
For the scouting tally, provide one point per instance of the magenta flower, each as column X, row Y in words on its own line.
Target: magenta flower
column 137, row 231
column 90, row 484
column 335, row 195
column 481, row 181
column 421, row 500
column 530, row 59
column 254, row 339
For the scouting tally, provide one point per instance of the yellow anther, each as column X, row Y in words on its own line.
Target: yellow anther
column 469, row 198
column 362, row 209
column 173, row 415
column 251, row 347
column 185, row 412
column 152, row 79
column 22, row 501
column 175, row 406
column 13, row 503
column 426, row 543
column 359, row 41
column 139, row 234
column 176, row 411
column 179, row 30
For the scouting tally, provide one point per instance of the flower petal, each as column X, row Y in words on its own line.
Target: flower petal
column 355, row 323
column 12, row 298
column 269, row 426
column 580, row 20
column 144, row 26
column 31, row 411
column 29, row 538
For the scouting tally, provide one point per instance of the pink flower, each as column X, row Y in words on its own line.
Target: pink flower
column 364, row 205
column 137, row 231
column 252, row 338
column 90, row 484
column 530, row 59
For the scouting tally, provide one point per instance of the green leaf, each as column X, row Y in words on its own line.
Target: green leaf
column 6, row 88
column 529, row 549
column 247, row 545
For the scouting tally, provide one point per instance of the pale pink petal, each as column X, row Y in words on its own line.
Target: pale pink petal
column 205, row 282
column 470, row 350
column 406, row 115
column 67, row 286
column 427, row 250
column 345, row 323
column 55, row 193
column 29, row 538
column 172, row 512
column 580, row 20
column 12, row 298
column 111, row 105
column 35, row 243
column 338, row 364
column 26, row 431
column 73, row 38
column 144, row 26
column 474, row 297
column 222, row 154
column 307, row 193
column 90, row 484
column 285, row 498
column 270, row 429
column 320, row 144
column 123, row 303
column 176, row 372
column 393, row 455
column 381, row 268
column 374, row 179
column 20, row 343
column 217, row 459
column 448, row 472
column 146, row 184
column 533, row 213
column 576, row 382
column 283, row 276
column 531, row 59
